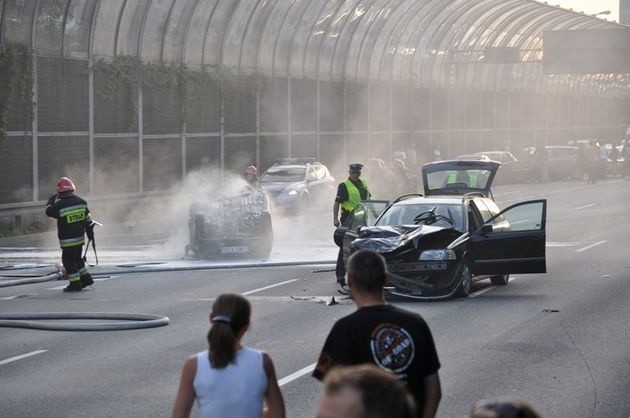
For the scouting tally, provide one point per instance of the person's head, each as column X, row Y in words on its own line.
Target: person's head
column 399, row 165
column 230, row 319
column 367, row 272
column 364, row 391
column 65, row 186
column 251, row 174
column 376, row 164
column 354, row 171
column 503, row 408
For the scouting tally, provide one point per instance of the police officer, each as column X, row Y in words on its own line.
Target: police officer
column 349, row 194
column 73, row 218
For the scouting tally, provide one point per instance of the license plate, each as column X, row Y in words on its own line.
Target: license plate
column 239, row 249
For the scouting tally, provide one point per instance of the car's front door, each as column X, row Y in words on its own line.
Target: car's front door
column 512, row 241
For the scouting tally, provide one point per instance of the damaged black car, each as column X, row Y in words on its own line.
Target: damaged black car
column 437, row 244
column 231, row 226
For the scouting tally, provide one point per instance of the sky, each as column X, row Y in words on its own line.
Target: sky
column 590, row 7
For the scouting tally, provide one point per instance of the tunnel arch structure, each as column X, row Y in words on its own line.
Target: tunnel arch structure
column 338, row 80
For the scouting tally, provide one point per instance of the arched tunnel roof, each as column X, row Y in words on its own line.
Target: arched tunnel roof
column 428, row 42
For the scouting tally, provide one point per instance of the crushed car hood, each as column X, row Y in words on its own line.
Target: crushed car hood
column 385, row 239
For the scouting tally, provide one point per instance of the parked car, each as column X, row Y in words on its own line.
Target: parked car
column 437, row 244
column 562, row 161
column 231, row 226
column 294, row 183
column 512, row 169
column 476, row 156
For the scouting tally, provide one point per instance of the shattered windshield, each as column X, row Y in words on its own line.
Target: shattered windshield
column 415, row 214
column 283, row 174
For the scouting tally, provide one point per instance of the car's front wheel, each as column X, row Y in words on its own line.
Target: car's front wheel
column 465, row 280
column 500, row 280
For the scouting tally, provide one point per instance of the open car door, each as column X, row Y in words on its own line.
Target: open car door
column 513, row 241
column 364, row 214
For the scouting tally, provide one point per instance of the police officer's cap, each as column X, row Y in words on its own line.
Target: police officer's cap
column 356, row 167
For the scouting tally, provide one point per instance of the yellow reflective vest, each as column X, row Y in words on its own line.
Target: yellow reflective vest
column 354, row 195
column 473, row 179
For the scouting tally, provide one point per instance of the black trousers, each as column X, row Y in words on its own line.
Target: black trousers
column 72, row 259
column 340, row 269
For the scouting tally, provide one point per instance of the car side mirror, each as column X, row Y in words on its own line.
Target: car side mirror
column 486, row 228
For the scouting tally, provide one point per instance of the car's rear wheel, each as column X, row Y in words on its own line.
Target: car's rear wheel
column 500, row 280
column 465, row 280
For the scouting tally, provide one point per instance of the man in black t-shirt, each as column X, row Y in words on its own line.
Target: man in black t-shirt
column 392, row 338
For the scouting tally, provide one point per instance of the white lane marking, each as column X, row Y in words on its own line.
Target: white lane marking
column 487, row 289
column 20, row 357
column 481, row 292
column 57, row 287
column 562, row 244
column 269, row 287
column 296, row 375
column 590, row 205
column 588, row 247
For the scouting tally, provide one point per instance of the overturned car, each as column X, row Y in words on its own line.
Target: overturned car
column 231, row 226
column 437, row 244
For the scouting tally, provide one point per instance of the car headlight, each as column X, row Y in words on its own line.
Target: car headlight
column 292, row 193
column 438, row 255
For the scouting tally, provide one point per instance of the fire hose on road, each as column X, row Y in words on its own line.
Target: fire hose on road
column 135, row 321
column 42, row 320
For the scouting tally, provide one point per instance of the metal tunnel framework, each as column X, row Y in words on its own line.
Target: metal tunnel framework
column 335, row 79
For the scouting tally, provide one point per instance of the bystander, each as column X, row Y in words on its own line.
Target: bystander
column 392, row 338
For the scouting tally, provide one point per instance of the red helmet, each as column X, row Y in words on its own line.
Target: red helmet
column 65, row 185
column 252, row 170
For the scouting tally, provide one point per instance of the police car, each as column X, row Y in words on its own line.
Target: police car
column 295, row 183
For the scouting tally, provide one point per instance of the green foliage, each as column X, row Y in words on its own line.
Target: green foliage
column 131, row 74
column 16, row 62
column 19, row 230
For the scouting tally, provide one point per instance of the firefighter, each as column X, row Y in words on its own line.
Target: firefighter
column 349, row 194
column 73, row 218
column 251, row 175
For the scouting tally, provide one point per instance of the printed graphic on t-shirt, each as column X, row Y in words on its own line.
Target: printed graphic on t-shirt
column 392, row 347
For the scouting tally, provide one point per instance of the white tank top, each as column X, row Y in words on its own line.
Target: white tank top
column 235, row 391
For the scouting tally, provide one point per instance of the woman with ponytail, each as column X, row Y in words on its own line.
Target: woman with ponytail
column 228, row 379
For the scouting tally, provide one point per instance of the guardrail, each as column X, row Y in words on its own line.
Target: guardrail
column 37, row 207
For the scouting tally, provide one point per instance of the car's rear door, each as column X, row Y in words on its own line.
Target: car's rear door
column 512, row 241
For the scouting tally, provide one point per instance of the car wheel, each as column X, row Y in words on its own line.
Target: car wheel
column 465, row 280
column 500, row 280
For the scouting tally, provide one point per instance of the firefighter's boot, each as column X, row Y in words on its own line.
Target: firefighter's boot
column 86, row 280
column 74, row 286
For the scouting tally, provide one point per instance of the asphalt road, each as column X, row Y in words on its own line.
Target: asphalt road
column 560, row 340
